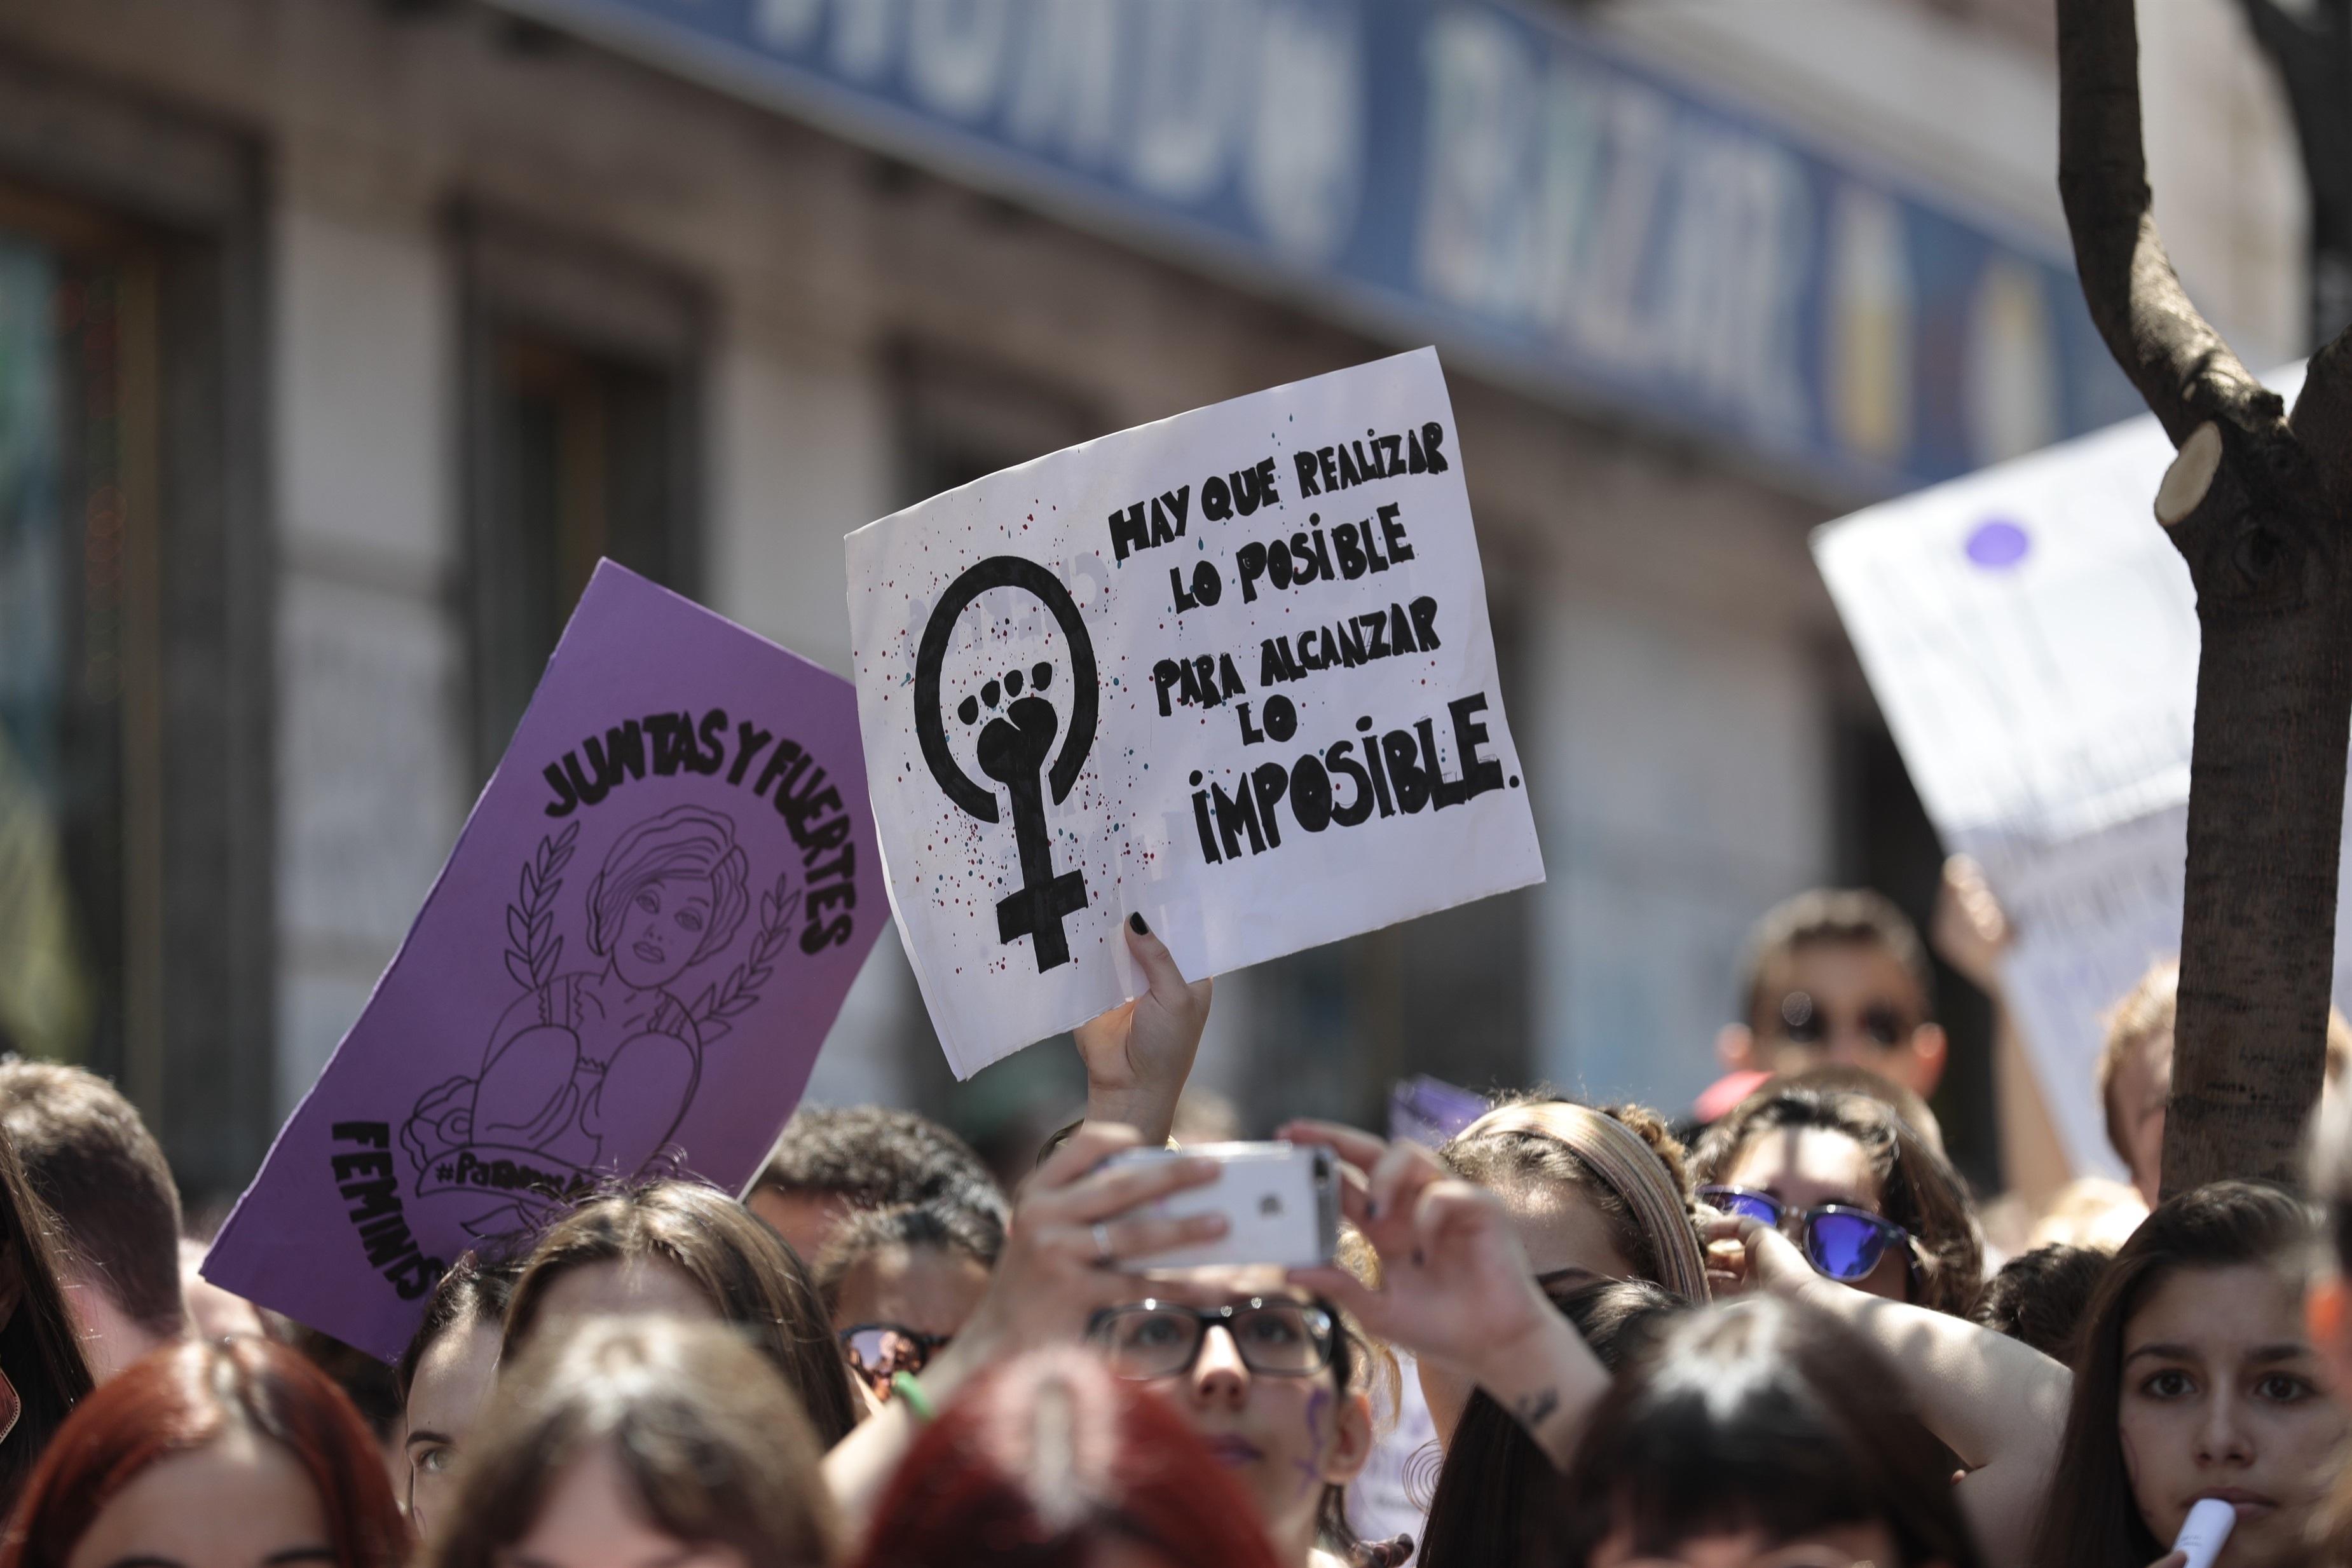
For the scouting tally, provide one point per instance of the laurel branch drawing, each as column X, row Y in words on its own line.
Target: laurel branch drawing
column 531, row 920
column 734, row 996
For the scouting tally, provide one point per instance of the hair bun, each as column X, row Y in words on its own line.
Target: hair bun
column 1652, row 1130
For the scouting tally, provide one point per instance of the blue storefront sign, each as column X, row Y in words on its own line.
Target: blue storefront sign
column 1547, row 209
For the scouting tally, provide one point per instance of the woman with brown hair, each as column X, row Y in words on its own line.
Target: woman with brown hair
column 1619, row 1165
column 42, row 1371
column 2194, row 1378
column 683, row 1249
column 1760, row 1431
column 1866, row 1199
column 238, row 1450
column 1496, row 1498
column 616, row 1443
column 1454, row 1285
column 447, row 1374
column 1276, row 1379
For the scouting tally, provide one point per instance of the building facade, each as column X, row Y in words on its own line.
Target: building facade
column 340, row 337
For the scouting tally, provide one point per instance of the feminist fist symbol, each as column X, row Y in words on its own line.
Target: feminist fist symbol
column 1012, row 747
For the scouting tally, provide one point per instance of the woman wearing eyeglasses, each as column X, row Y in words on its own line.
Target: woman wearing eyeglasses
column 900, row 1282
column 1454, row 1285
column 1271, row 1377
column 1079, row 1232
column 1050, row 1462
column 1863, row 1197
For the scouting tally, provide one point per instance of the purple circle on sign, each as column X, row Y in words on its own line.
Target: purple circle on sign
column 1998, row 544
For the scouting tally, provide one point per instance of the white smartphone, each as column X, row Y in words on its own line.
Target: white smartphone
column 1281, row 1203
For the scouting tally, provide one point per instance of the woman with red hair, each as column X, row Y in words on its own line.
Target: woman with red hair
column 1050, row 1462
column 228, row 1455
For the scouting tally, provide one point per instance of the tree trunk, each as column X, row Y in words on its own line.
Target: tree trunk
column 2257, row 504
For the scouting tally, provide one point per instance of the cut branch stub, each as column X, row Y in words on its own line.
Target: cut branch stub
column 2190, row 476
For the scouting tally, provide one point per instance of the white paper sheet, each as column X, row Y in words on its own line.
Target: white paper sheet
column 1235, row 601
column 2031, row 637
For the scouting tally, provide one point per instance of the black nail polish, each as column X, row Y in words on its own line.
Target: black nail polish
column 1136, row 921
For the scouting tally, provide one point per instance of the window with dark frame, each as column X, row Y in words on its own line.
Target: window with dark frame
column 79, row 736
column 137, row 595
column 1886, row 842
column 582, row 443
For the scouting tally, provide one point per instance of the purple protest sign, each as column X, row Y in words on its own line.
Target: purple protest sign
column 625, row 968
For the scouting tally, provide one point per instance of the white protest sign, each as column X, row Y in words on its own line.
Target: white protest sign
column 2031, row 637
column 1231, row 671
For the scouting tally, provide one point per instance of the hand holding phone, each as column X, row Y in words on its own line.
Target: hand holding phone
column 1280, row 1203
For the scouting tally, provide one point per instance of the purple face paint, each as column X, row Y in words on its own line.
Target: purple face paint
column 1997, row 544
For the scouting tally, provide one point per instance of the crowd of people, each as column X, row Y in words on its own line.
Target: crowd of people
column 1770, row 1334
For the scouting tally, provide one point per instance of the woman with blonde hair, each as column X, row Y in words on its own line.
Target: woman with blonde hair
column 1595, row 1195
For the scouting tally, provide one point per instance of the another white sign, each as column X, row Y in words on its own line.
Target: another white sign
column 1231, row 671
column 2031, row 637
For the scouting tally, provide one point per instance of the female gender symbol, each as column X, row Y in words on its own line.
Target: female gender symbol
column 1013, row 746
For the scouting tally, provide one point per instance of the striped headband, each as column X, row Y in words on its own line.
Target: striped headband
column 1628, row 1167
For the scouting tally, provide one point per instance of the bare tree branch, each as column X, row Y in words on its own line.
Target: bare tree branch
column 2183, row 370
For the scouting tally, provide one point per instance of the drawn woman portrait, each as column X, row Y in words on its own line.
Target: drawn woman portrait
column 596, row 1067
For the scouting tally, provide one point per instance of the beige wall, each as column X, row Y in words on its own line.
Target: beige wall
column 1671, row 696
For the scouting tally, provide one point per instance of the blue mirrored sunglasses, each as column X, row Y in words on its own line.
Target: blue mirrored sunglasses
column 1841, row 1243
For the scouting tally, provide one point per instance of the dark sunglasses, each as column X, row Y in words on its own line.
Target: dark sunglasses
column 1164, row 1339
column 1803, row 1023
column 1841, row 1243
column 879, row 1351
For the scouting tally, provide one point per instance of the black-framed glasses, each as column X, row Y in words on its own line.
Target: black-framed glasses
column 1803, row 1023
column 1273, row 1337
column 879, row 1351
column 1842, row 1242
